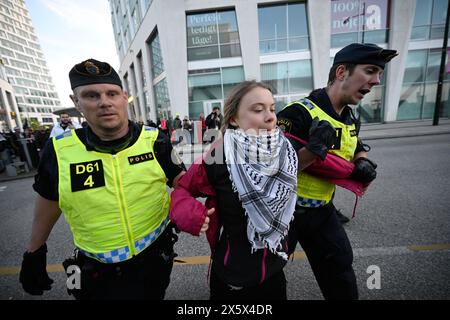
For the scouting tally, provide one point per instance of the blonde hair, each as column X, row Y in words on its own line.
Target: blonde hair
column 234, row 99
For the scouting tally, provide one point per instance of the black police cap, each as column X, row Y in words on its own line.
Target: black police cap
column 92, row 71
column 364, row 53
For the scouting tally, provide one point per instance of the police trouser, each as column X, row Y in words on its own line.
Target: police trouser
column 145, row 276
column 328, row 249
column 273, row 288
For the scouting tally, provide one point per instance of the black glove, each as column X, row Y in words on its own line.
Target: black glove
column 322, row 137
column 33, row 274
column 364, row 170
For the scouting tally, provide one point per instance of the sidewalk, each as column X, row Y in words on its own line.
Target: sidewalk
column 397, row 129
column 402, row 129
column 376, row 131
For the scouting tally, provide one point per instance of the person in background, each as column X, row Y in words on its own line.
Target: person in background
column 214, row 122
column 151, row 123
column 189, row 133
column 203, row 124
column 65, row 124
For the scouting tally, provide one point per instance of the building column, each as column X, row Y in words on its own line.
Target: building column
column 247, row 19
column 172, row 31
column 402, row 18
column 146, row 64
column 7, row 109
column 319, row 24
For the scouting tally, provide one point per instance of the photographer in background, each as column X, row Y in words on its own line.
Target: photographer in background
column 65, row 124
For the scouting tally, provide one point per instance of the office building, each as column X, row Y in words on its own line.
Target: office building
column 25, row 66
column 183, row 56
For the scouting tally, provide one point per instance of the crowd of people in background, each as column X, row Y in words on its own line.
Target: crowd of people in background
column 13, row 143
column 181, row 129
column 12, row 147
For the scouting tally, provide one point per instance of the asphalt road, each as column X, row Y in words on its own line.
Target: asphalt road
column 402, row 228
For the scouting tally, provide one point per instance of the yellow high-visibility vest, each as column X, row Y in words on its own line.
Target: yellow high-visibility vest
column 116, row 205
column 313, row 191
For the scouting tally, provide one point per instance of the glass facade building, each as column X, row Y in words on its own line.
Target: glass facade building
column 418, row 95
column 195, row 51
column 24, row 64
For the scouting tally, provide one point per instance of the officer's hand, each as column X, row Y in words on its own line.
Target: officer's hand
column 33, row 274
column 322, row 137
column 364, row 170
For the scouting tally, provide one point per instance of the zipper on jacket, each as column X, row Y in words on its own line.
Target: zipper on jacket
column 263, row 266
column 122, row 207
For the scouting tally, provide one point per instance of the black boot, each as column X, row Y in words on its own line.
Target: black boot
column 342, row 219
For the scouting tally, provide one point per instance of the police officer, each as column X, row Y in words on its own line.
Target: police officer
column 110, row 180
column 325, row 120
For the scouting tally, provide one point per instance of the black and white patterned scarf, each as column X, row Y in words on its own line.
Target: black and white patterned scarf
column 263, row 171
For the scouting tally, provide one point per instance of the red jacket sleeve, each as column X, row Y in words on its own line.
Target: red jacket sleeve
column 186, row 211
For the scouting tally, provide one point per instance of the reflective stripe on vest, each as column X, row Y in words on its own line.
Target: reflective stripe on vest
column 112, row 203
column 122, row 254
column 313, row 191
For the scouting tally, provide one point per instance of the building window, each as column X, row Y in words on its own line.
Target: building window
column 141, row 69
column 363, row 21
column 212, row 35
column 283, row 28
column 289, row 80
column 162, row 100
column 210, row 86
column 418, row 95
column 429, row 20
column 156, row 58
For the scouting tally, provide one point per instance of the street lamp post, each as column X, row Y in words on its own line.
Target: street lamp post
column 441, row 71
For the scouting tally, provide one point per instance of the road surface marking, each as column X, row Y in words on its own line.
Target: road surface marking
column 298, row 255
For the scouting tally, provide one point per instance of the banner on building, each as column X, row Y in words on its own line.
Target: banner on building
column 358, row 15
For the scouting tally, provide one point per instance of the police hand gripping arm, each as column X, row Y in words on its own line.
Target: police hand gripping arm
column 364, row 171
column 321, row 137
column 33, row 274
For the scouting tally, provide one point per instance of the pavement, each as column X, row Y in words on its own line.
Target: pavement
column 397, row 129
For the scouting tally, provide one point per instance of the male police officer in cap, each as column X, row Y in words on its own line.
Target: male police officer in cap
column 325, row 120
column 110, row 180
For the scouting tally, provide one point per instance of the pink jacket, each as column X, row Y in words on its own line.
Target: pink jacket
column 189, row 214
column 334, row 169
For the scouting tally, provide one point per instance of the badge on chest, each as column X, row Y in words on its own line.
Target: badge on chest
column 87, row 175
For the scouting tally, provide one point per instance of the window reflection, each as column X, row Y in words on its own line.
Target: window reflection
column 289, row 80
column 418, row 95
column 429, row 19
column 208, row 85
column 283, row 28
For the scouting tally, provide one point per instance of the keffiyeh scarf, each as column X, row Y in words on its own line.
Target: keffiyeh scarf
column 263, row 172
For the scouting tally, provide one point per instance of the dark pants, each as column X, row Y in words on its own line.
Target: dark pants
column 328, row 249
column 144, row 277
column 273, row 288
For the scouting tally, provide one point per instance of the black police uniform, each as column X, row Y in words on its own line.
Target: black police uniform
column 151, row 267
column 318, row 230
